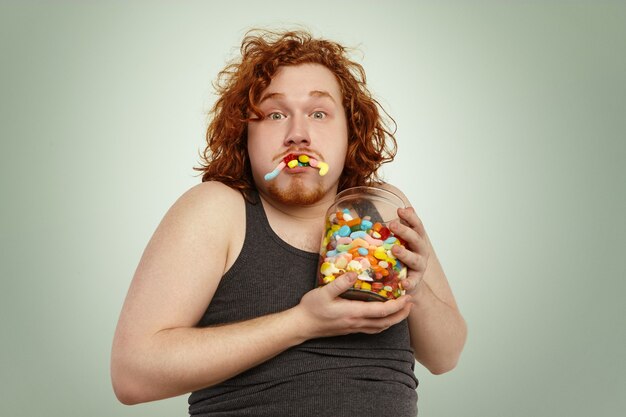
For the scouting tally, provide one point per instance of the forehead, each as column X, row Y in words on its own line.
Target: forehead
column 301, row 80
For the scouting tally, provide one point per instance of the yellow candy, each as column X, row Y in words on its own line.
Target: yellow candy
column 366, row 286
column 328, row 269
column 383, row 293
column 379, row 253
column 323, row 166
column 303, row 158
column 293, row 163
column 328, row 279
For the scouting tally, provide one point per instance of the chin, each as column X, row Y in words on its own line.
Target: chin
column 297, row 193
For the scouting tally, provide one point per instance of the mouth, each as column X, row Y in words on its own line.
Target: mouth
column 294, row 160
column 297, row 162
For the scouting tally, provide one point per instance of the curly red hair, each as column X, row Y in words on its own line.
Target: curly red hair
column 240, row 85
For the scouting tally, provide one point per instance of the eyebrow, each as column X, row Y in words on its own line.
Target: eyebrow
column 319, row 93
column 314, row 93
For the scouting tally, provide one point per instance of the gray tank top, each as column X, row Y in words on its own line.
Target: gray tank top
column 352, row 375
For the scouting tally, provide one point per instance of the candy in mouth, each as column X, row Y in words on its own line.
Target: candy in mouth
column 292, row 161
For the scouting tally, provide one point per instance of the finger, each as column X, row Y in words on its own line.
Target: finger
column 409, row 285
column 410, row 217
column 415, row 261
column 377, row 325
column 414, row 240
column 340, row 285
column 383, row 310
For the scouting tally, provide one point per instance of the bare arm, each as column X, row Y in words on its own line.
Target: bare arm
column 157, row 350
column 182, row 359
column 438, row 331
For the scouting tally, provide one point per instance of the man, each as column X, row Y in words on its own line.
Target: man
column 223, row 302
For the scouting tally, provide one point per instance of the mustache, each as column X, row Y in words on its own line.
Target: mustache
column 310, row 152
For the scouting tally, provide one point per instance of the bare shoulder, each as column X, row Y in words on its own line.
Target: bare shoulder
column 211, row 197
column 205, row 207
column 215, row 190
column 184, row 260
column 215, row 214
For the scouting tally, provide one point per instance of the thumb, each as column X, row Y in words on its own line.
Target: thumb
column 341, row 284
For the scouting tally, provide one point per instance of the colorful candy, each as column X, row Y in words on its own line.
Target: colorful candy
column 352, row 242
column 292, row 161
column 271, row 175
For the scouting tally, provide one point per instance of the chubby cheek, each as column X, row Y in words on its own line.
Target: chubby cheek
column 335, row 157
column 335, row 167
column 258, row 162
column 257, row 152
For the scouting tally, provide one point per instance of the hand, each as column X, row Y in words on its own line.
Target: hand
column 326, row 314
column 416, row 252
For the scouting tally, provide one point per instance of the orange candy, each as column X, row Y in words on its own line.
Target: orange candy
column 354, row 222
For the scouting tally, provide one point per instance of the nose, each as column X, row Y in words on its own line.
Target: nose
column 297, row 133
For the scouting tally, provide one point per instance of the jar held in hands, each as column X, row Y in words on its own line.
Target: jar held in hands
column 357, row 238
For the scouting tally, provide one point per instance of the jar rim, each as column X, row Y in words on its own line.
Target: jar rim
column 361, row 190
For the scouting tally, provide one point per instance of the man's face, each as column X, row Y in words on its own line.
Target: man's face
column 304, row 114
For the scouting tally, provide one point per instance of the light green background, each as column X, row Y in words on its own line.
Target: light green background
column 511, row 147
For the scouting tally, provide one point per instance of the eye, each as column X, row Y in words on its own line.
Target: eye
column 276, row 116
column 318, row 115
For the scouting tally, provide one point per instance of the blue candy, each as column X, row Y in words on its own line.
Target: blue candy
column 362, row 251
column 359, row 234
column 271, row 175
column 344, row 231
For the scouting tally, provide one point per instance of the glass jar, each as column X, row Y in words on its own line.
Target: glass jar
column 357, row 238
